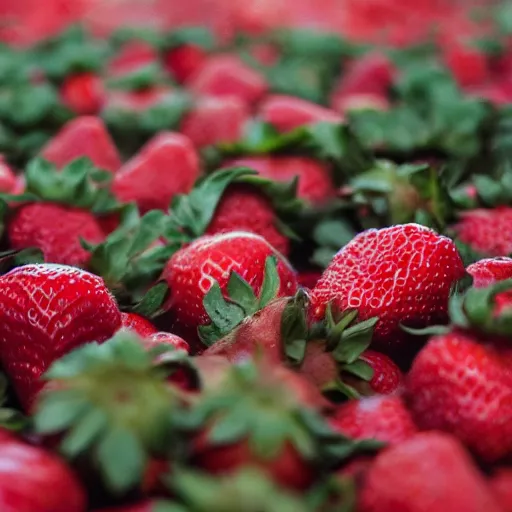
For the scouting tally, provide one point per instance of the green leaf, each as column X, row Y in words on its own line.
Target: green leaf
column 354, row 341
column 294, row 329
column 271, row 282
column 431, row 330
column 360, row 369
column 152, row 301
column 58, row 411
column 295, row 350
column 224, row 315
column 240, row 292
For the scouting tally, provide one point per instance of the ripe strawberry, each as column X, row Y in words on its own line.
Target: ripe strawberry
column 360, row 101
column 314, row 179
column 468, row 65
column 430, row 471
column 34, row 225
column 28, row 472
column 402, row 274
column 242, row 208
column 185, row 61
column 277, row 395
column 384, row 418
column 47, row 310
column 83, row 93
column 191, row 272
column 138, row 324
column 8, row 181
column 83, row 136
column 501, row 485
column 308, row 279
column 227, row 75
column 215, row 119
column 387, row 377
column 287, row 112
column 167, row 165
column 166, row 338
column 132, row 56
column 486, row 231
column 461, row 386
column 138, row 100
column 489, row 271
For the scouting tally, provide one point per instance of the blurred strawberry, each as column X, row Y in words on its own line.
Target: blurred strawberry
column 184, row 61
column 83, row 93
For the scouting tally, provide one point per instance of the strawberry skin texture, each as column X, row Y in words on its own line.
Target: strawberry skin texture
column 48, row 310
column 167, row 165
column 401, row 274
column 184, row 61
column 501, row 486
column 138, row 324
column 431, row 471
column 35, row 480
column 286, row 113
column 384, row 418
column 83, row 93
column 315, row 183
column 215, row 119
column 387, row 377
column 84, row 136
column 192, row 270
column 463, row 387
column 56, row 230
column 488, row 232
column 227, row 75
column 488, row 271
column 242, row 208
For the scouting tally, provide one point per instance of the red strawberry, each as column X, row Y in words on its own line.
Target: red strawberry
column 227, row 75
column 48, row 310
column 430, row 471
column 34, row 225
column 192, row 270
column 501, row 485
column 215, row 119
column 372, row 73
column 139, row 99
column 309, row 278
column 138, row 324
column 27, row 473
column 242, row 208
column 166, row 338
column 83, row 93
column 184, row 61
column 488, row 232
column 167, row 165
column 401, row 274
column 83, row 136
column 8, row 181
column 287, row 112
column 384, row 418
column 489, row 271
column 315, row 183
column 360, row 101
column 461, row 386
column 387, row 377
column 132, row 56
column 468, row 65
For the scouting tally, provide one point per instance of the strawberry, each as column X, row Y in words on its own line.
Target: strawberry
column 138, row 324
column 83, row 136
column 137, row 100
column 501, row 486
column 83, row 93
column 314, row 179
column 166, row 338
column 401, row 274
column 215, row 119
column 132, row 56
column 468, row 65
column 384, row 418
column 74, row 195
column 277, row 395
column 28, row 472
column 47, row 311
column 309, row 278
column 192, row 271
column 185, row 61
column 360, row 101
column 461, row 386
column 8, row 181
column 227, row 75
column 387, row 377
column 286, row 113
column 430, row 471
column 167, row 165
column 486, row 231
column 488, row 271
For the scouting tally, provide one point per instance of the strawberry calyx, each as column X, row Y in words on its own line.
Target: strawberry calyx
column 246, row 489
column 111, row 402
column 338, row 337
column 131, row 259
column 226, row 313
column 10, row 418
column 191, row 213
column 254, row 403
column 79, row 184
column 201, row 37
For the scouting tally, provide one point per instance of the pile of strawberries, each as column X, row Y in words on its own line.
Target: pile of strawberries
column 264, row 274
